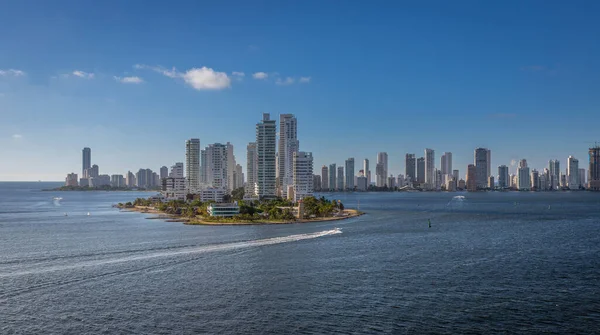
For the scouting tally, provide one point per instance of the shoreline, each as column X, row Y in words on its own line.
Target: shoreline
column 349, row 213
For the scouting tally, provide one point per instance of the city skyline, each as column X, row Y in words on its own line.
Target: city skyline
column 106, row 87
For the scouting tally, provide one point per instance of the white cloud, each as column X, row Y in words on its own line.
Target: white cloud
column 12, row 73
column 260, row 75
column 304, row 80
column 203, row 78
column 17, row 136
column 206, row 79
column 129, row 80
column 287, row 81
column 83, row 74
column 238, row 74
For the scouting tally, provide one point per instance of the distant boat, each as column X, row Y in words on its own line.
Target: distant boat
column 89, row 214
column 66, row 214
column 57, row 198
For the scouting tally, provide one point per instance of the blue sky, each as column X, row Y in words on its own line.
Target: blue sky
column 519, row 77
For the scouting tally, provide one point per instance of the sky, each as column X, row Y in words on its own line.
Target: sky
column 134, row 79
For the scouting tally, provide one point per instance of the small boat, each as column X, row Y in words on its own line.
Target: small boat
column 57, row 198
column 88, row 214
column 66, row 214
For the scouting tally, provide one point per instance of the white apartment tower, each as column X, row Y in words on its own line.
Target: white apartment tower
column 302, row 170
column 554, row 168
column 429, row 168
column 573, row 173
column 288, row 146
column 219, row 166
column 266, row 145
column 192, row 163
column 176, row 171
column 251, row 170
column 523, row 176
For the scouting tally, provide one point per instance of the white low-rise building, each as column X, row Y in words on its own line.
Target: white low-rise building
column 212, row 194
column 223, row 210
column 174, row 188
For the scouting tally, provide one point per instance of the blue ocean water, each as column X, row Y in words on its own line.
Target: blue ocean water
column 490, row 263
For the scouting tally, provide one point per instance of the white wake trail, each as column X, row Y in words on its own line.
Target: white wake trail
column 173, row 253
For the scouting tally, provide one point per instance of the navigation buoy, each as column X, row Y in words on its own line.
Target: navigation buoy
column 429, row 223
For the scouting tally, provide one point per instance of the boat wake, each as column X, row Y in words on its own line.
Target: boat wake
column 15, row 270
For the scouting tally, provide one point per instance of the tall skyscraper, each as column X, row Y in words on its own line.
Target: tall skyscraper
column 535, row 180
column 594, row 169
column 266, row 140
column 489, row 163
column 349, row 174
column 429, row 168
column 317, row 183
column 86, row 161
column 302, row 180
column 340, row 178
column 192, row 164
column 409, row 167
column 471, row 178
column 503, row 177
column 421, row 170
column 251, row 170
column 288, row 146
column 366, row 171
column 324, row 178
column 455, row 174
column 554, row 168
column 164, row 172
column 573, row 173
column 382, row 171
column 238, row 177
column 446, row 161
column 481, row 163
column 523, row 177
column 332, row 177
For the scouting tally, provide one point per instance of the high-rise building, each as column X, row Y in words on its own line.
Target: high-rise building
column 220, row 166
column 409, row 167
column 130, row 180
column 266, row 139
column 361, row 184
column 489, row 163
column 324, row 178
column 437, row 179
column 382, row 169
column 455, row 175
column 503, row 177
column 471, row 183
column 238, row 177
column 421, row 170
column 491, row 182
column 594, row 169
column 192, row 164
column 349, row 174
column 554, row 169
column 429, row 168
column 573, row 173
column 251, row 170
column 535, row 180
column 340, row 178
column 176, row 170
column 582, row 177
column 481, row 163
column 71, row 180
column 446, row 166
column 523, row 177
column 317, row 183
column 332, row 177
column 288, row 146
column 302, row 167
column 164, row 172
column 86, row 161
column 117, row 180
column 367, row 171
